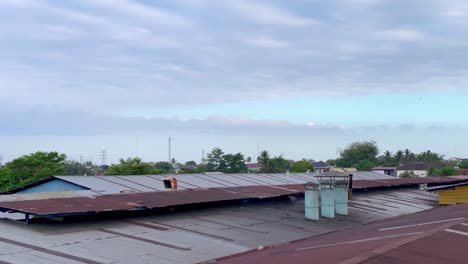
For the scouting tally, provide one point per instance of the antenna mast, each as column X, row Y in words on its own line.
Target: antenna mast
column 170, row 158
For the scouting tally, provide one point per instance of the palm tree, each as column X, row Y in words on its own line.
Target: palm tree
column 408, row 155
column 264, row 160
column 398, row 156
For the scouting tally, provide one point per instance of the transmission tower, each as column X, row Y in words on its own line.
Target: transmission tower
column 103, row 156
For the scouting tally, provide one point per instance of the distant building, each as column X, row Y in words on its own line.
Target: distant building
column 255, row 167
column 392, row 171
column 320, row 166
column 418, row 168
column 343, row 170
column 457, row 160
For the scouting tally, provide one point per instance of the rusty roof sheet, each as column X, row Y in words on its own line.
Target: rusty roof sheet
column 152, row 200
column 209, row 232
column 438, row 235
column 149, row 200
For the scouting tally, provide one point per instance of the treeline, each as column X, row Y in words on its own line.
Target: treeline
column 38, row 165
column 364, row 156
column 361, row 155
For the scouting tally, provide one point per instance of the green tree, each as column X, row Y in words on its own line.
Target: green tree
column 264, row 162
column 132, row 166
column 446, row 170
column 429, row 156
column 365, row 165
column 234, row 163
column 408, row 155
column 387, row 159
column 164, row 166
column 279, row 165
column 6, row 180
column 302, row 166
column 35, row 166
column 87, row 168
column 214, row 160
column 463, row 165
column 357, row 152
column 398, row 157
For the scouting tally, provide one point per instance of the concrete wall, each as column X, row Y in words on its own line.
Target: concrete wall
column 53, row 186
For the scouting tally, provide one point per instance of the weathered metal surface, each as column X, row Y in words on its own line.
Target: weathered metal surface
column 229, row 230
column 150, row 200
column 439, row 235
column 149, row 183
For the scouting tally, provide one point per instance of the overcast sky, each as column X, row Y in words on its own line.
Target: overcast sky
column 301, row 78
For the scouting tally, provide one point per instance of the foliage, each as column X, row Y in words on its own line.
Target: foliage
column 33, row 167
column 365, row 165
column 446, row 170
column 214, row 160
column 429, row 156
column 132, row 166
column 302, row 166
column 6, row 181
column 234, row 163
column 264, row 162
column 463, row 165
column 227, row 163
column 272, row 165
column 402, row 156
column 87, row 168
column 357, row 152
column 164, row 167
column 408, row 174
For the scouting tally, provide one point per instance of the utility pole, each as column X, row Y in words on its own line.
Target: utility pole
column 103, row 156
column 1, row 160
column 170, row 158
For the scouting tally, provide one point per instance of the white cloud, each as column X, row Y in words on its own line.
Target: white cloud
column 269, row 14
column 266, row 42
column 142, row 11
column 403, row 34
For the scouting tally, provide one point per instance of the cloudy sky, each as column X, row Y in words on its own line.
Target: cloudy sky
column 301, row 78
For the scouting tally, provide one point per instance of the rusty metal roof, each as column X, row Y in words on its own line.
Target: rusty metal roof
column 438, row 235
column 152, row 200
column 151, row 183
column 196, row 235
column 149, row 200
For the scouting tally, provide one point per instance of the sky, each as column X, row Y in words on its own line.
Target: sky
column 300, row 78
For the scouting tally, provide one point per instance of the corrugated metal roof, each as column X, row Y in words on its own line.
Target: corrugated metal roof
column 439, row 235
column 193, row 236
column 152, row 200
column 149, row 183
column 149, row 200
